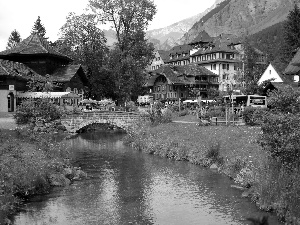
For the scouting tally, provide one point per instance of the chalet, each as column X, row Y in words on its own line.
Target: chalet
column 171, row 82
column 35, row 57
column 271, row 73
column 293, row 69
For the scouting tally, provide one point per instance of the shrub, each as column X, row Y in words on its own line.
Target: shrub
column 218, row 111
column 158, row 114
column 281, row 137
column 254, row 116
column 41, row 109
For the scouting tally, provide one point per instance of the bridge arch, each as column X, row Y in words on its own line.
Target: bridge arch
column 123, row 120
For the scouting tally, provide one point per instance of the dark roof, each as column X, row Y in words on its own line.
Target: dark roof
column 164, row 55
column 16, row 69
column 32, row 45
column 177, row 74
column 294, row 65
column 180, row 49
column 193, row 70
column 280, row 85
column 203, row 36
column 65, row 73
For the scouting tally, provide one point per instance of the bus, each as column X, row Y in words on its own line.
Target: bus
column 246, row 100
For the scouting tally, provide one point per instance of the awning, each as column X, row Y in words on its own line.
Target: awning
column 47, row 95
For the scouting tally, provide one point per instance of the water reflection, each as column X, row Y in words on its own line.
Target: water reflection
column 128, row 187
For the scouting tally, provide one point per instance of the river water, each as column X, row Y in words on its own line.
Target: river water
column 128, row 187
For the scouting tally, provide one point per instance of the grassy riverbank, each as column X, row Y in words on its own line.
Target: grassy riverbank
column 231, row 150
column 30, row 164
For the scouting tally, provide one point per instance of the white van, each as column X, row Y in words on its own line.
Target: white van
column 145, row 100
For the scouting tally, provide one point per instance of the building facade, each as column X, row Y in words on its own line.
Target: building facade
column 171, row 83
column 33, row 58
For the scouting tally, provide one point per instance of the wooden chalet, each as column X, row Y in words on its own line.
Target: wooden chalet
column 35, row 57
column 170, row 82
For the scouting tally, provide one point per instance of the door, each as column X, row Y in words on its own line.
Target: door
column 10, row 102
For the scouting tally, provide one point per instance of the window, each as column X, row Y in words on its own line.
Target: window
column 270, row 71
column 75, row 90
column 223, row 66
column 214, row 56
column 158, row 88
column 213, row 66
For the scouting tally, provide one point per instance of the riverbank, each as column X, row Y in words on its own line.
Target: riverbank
column 31, row 163
column 231, row 150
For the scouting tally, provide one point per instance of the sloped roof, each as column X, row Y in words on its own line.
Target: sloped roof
column 64, row 74
column 32, row 45
column 203, row 36
column 164, row 55
column 48, row 95
column 177, row 74
column 193, row 70
column 294, row 66
column 180, row 49
column 16, row 69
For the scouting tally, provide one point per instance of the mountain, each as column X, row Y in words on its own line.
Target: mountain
column 169, row 36
column 240, row 17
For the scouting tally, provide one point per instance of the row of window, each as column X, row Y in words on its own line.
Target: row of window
column 212, row 57
column 178, row 55
column 156, row 67
column 164, row 87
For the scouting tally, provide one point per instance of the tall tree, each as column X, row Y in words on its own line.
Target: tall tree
column 252, row 69
column 13, row 39
column 132, row 52
column 291, row 35
column 39, row 28
column 85, row 43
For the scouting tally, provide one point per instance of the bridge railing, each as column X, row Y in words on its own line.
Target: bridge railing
column 105, row 115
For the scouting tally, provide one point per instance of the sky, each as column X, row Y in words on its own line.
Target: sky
column 21, row 14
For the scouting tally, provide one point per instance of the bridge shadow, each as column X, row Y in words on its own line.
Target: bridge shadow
column 101, row 127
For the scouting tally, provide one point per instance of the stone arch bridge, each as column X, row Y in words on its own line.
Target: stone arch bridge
column 75, row 122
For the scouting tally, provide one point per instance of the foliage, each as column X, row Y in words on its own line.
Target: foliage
column 13, row 39
column 252, row 69
column 32, row 111
column 158, row 114
column 39, row 28
column 217, row 111
column 281, row 137
column 85, row 43
column 285, row 100
column 291, row 34
column 254, row 116
column 26, row 159
column 132, row 52
column 40, row 83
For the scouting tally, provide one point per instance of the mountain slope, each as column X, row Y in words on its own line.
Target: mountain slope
column 241, row 17
column 175, row 31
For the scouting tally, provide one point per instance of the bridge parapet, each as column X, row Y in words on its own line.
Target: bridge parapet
column 75, row 122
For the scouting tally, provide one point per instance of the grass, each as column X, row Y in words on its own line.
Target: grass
column 236, row 152
column 26, row 161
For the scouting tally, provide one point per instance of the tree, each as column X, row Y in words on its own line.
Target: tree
column 252, row 69
column 13, row 39
column 39, row 28
column 291, row 35
column 85, row 43
column 132, row 52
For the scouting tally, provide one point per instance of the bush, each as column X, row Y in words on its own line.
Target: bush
column 254, row 116
column 40, row 109
column 218, row 111
column 281, row 137
column 159, row 114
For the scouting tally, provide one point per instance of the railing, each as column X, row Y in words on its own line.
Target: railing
column 104, row 115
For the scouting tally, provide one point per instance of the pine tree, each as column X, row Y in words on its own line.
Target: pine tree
column 291, row 35
column 38, row 28
column 13, row 39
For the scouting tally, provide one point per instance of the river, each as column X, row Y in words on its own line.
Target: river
column 128, row 187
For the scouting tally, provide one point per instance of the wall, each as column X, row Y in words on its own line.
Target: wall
column 3, row 100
